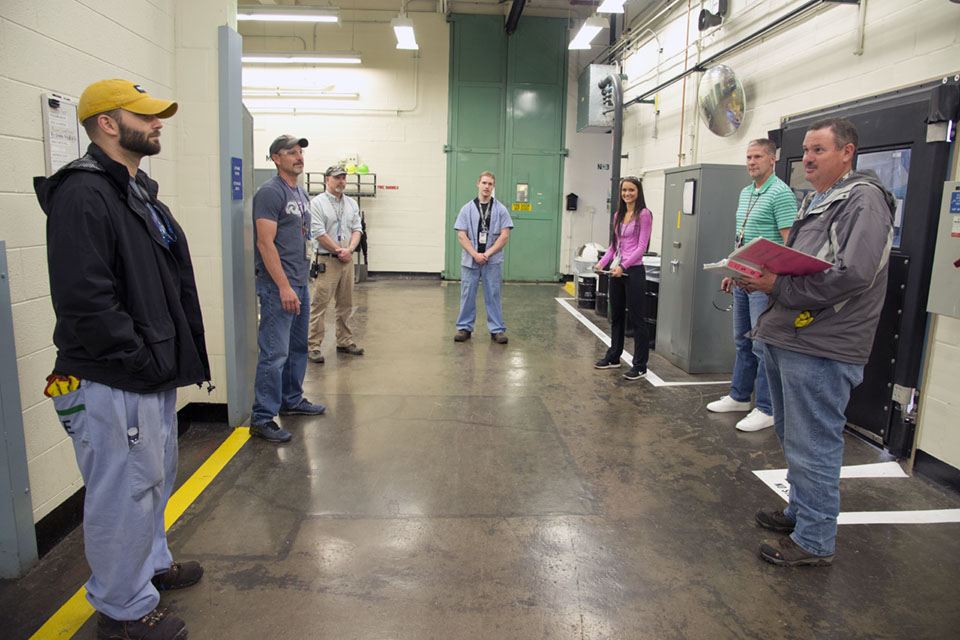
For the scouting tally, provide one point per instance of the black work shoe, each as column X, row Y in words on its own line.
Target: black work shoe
column 462, row 335
column 775, row 520
column 156, row 625
column 178, row 576
column 635, row 373
column 315, row 356
column 305, row 408
column 499, row 338
column 269, row 431
column 352, row 349
column 606, row 364
column 785, row 553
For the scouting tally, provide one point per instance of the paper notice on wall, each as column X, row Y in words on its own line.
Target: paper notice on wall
column 64, row 140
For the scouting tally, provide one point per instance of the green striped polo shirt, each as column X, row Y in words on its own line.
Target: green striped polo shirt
column 772, row 207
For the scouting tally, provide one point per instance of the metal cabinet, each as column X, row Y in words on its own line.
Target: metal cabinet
column 694, row 330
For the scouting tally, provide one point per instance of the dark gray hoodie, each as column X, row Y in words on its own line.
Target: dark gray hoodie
column 834, row 314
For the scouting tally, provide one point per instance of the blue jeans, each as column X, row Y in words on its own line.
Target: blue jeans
column 282, row 338
column 810, row 395
column 749, row 365
column 470, row 278
column 126, row 448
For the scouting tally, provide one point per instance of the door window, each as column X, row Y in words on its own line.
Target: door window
column 893, row 169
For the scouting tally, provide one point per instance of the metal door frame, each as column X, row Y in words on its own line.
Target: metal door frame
column 18, row 538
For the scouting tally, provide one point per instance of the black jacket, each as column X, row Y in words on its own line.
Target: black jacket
column 128, row 314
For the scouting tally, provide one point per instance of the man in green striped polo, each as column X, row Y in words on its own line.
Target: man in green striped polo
column 767, row 208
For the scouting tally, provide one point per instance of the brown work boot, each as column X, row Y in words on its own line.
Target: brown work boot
column 775, row 520
column 499, row 338
column 785, row 553
column 461, row 336
column 156, row 625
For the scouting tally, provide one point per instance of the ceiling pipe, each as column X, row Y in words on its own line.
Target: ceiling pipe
column 514, row 18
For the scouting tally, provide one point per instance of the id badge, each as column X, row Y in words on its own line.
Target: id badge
column 483, row 237
column 308, row 254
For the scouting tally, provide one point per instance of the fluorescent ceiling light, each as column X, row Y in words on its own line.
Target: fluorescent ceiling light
column 588, row 32
column 300, row 58
column 611, row 6
column 403, row 28
column 280, row 92
column 262, row 13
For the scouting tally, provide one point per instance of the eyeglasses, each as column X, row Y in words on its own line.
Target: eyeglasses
column 291, row 152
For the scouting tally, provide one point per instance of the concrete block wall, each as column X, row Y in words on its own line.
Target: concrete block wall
column 196, row 174
column 50, row 47
column 940, row 404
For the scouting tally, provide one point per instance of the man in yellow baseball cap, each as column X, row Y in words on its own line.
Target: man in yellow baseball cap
column 129, row 332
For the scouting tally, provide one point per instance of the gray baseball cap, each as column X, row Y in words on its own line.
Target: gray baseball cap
column 286, row 141
column 335, row 170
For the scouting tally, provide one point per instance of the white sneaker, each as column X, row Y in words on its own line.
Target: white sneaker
column 755, row 421
column 726, row 403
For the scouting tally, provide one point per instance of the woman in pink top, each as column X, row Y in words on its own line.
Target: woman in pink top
column 628, row 279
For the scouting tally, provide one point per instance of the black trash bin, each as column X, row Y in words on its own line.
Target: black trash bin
column 586, row 291
column 603, row 294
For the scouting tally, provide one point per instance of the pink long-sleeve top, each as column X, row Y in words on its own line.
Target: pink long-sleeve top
column 632, row 244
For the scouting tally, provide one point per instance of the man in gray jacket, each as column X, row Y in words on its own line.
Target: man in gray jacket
column 817, row 332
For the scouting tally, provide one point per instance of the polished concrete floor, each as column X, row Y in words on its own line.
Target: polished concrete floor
column 474, row 490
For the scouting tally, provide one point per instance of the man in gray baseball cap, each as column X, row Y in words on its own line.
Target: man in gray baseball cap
column 335, row 231
column 281, row 236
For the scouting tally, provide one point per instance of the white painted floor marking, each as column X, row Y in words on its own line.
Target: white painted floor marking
column 627, row 357
column 889, row 469
column 927, row 516
column 776, row 479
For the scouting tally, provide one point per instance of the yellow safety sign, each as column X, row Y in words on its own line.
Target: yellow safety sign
column 522, row 206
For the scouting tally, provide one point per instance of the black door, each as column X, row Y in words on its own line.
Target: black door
column 893, row 142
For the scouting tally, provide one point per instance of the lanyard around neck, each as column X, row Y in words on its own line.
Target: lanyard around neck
column 484, row 218
column 298, row 198
column 746, row 216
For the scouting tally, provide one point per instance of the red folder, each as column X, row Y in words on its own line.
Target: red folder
column 760, row 253
column 777, row 258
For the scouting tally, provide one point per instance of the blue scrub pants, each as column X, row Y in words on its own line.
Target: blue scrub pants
column 126, row 448
column 491, row 275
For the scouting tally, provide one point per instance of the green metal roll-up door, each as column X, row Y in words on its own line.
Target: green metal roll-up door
column 507, row 116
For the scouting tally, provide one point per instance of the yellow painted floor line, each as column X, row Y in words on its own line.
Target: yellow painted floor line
column 569, row 288
column 74, row 613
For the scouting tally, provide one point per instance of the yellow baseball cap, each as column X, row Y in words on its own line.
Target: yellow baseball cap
column 122, row 94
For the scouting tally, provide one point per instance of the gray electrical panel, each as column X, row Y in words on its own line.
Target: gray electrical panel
column 590, row 107
column 694, row 330
column 944, row 296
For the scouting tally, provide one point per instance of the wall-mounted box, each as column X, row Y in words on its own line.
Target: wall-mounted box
column 590, row 107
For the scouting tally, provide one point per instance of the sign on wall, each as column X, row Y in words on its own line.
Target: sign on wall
column 64, row 140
